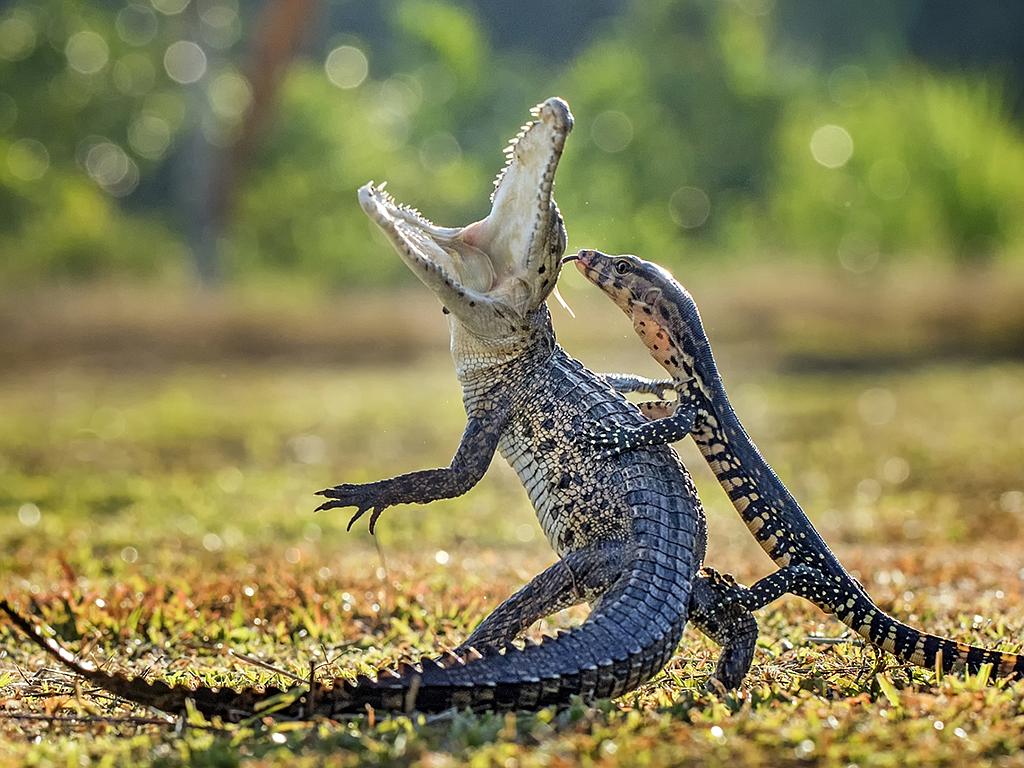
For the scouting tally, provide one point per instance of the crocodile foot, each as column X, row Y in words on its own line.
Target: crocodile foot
column 362, row 496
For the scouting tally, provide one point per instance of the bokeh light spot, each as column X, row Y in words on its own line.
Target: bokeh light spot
column 87, row 52
column 230, row 95
column 136, row 24
column 29, row 515
column 221, row 27
column 612, row 131
column 149, row 136
column 346, row 66
column 888, row 178
column 440, row 150
column 689, row 207
column 185, row 62
column 876, row 406
column 28, row 160
column 134, row 74
column 831, row 146
column 17, row 37
column 111, row 168
column 170, row 7
column 895, row 470
column 858, row 252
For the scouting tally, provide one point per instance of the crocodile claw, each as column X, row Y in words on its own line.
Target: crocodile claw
column 361, row 496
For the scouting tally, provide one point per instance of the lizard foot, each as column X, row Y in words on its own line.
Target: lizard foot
column 364, row 497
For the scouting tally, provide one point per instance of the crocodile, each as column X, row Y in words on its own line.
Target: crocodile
column 666, row 318
column 629, row 530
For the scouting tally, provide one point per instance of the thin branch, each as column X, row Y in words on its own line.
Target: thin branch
column 260, row 663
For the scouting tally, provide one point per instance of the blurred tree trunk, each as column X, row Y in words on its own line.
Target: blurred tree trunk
column 278, row 34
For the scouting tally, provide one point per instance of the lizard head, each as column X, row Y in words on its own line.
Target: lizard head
column 493, row 274
column 633, row 284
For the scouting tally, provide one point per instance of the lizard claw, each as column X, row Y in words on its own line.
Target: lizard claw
column 362, row 497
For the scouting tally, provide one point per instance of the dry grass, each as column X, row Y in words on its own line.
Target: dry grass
column 787, row 315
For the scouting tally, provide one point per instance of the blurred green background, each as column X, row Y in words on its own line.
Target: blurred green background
column 199, row 328
column 161, row 140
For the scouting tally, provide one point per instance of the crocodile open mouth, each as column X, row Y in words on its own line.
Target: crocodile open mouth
column 497, row 269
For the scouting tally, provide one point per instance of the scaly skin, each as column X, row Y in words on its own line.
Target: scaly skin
column 665, row 316
column 629, row 530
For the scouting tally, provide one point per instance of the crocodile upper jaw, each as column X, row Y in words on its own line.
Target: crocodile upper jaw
column 491, row 273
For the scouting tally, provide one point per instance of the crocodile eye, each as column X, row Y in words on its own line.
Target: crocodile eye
column 622, row 267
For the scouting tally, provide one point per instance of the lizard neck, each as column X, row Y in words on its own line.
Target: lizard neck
column 767, row 507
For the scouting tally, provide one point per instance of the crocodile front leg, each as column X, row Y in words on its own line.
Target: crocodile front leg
column 579, row 577
column 479, row 442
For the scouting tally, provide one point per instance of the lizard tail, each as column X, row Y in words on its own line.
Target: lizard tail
column 924, row 649
column 843, row 597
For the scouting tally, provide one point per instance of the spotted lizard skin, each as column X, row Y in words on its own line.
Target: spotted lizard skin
column 666, row 318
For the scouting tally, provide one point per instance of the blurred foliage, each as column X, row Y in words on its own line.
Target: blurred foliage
column 920, row 163
column 703, row 130
column 85, row 110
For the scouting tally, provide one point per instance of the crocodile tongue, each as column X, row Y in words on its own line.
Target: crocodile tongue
column 492, row 272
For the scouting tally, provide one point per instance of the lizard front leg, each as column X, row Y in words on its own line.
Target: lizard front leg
column 800, row 580
column 717, row 608
column 657, row 409
column 628, row 383
column 579, row 577
column 479, row 442
column 611, row 441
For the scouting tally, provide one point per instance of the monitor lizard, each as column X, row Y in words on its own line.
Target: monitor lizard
column 666, row 318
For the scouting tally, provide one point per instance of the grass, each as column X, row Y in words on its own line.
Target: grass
column 158, row 515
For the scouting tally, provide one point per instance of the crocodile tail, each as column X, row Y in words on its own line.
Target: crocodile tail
column 923, row 649
column 227, row 703
column 614, row 651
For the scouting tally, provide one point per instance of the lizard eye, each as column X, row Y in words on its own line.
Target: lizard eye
column 622, row 266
